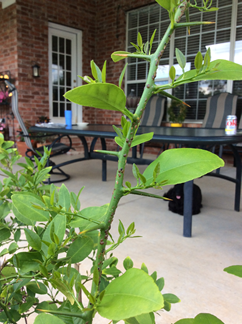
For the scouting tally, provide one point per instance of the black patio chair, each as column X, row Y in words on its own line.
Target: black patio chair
column 152, row 115
column 57, row 148
column 218, row 107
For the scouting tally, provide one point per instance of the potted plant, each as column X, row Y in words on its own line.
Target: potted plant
column 58, row 233
column 177, row 113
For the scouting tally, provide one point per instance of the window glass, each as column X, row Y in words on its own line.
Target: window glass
column 216, row 36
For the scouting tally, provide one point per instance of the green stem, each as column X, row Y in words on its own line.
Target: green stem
column 190, row 24
column 107, row 152
column 141, row 193
column 123, row 154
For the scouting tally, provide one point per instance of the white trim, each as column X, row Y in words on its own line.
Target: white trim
column 77, row 51
column 7, row 3
column 232, row 39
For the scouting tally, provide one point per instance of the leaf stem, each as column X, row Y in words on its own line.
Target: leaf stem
column 141, row 193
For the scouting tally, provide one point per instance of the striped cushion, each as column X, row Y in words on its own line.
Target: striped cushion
column 154, row 112
column 240, row 122
column 218, row 108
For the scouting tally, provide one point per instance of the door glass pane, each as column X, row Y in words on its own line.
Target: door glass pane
column 55, row 109
column 61, row 45
column 55, row 94
column 62, row 110
column 62, row 92
column 61, row 74
column 62, row 61
column 68, row 46
column 54, row 43
column 68, row 62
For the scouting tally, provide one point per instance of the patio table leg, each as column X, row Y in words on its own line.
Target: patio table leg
column 104, row 162
column 187, row 211
column 237, row 160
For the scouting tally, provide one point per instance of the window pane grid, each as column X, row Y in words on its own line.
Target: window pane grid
column 216, row 36
column 205, row 36
column 61, row 74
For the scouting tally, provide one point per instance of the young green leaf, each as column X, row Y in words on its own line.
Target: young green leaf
column 93, row 69
column 166, row 4
column 198, row 61
column 131, row 229
column 207, row 59
column 33, row 239
column 123, row 121
column 13, row 247
column 154, row 276
column 136, row 47
column 119, row 141
column 17, row 235
column 180, row 59
column 146, row 47
column 47, row 319
column 151, row 40
column 99, row 95
column 227, row 71
column 142, row 178
column 64, row 197
column 135, row 171
column 96, row 72
column 172, row 73
column 96, row 276
column 160, row 283
column 128, row 184
column 167, row 306
column 126, row 128
column 141, row 297
column 23, row 205
column 173, row 299
column 139, row 40
column 118, row 131
column 139, row 139
column 144, row 268
column 235, row 270
column 104, row 72
column 80, row 249
column 121, row 228
column 128, row 263
column 122, row 75
column 175, row 165
column 119, row 55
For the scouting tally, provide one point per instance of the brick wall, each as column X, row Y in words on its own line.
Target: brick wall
column 110, row 37
column 25, row 26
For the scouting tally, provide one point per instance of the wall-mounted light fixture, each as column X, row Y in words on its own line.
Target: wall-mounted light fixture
column 35, row 70
column 4, row 93
column 5, row 75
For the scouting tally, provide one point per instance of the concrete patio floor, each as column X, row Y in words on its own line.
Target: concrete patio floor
column 192, row 267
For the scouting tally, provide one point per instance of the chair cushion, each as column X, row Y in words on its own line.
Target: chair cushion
column 154, row 112
column 218, row 108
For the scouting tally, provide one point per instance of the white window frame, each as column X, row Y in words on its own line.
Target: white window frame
column 76, row 109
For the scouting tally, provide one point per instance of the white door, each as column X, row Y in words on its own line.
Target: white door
column 64, row 65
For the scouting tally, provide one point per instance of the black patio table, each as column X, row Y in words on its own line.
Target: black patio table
column 205, row 138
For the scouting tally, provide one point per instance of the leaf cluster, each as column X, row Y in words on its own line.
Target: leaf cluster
column 44, row 231
column 122, row 133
